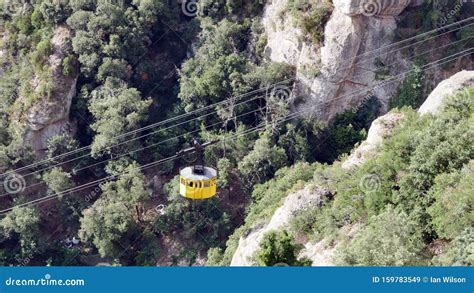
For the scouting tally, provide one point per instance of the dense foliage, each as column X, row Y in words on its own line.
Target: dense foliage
column 415, row 191
column 112, row 67
column 280, row 249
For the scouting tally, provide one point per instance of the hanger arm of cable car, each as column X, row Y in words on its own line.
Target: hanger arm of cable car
column 197, row 181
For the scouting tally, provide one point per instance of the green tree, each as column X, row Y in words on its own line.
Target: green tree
column 214, row 256
column 112, row 223
column 117, row 109
column 23, row 222
column 263, row 161
column 58, row 181
column 279, row 248
column 452, row 210
column 59, row 145
column 460, row 252
column 389, row 239
column 224, row 167
column 411, row 90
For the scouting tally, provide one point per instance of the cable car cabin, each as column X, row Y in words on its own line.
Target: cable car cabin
column 198, row 184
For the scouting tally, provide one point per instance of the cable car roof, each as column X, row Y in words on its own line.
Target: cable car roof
column 187, row 173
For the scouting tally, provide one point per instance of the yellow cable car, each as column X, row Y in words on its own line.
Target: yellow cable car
column 198, row 181
column 198, row 186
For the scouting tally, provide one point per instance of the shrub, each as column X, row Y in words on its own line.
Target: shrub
column 389, row 239
column 214, row 256
column 262, row 162
column 452, row 210
column 460, row 252
column 279, row 248
column 411, row 90
column 69, row 66
column 43, row 50
column 311, row 16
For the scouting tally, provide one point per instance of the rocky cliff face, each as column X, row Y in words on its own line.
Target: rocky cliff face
column 356, row 27
column 50, row 115
column 294, row 203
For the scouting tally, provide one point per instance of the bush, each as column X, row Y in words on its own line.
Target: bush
column 214, row 256
column 312, row 17
column 411, row 90
column 280, row 249
column 305, row 220
column 43, row 50
column 262, row 162
column 452, row 210
column 389, row 239
column 69, row 66
column 460, row 252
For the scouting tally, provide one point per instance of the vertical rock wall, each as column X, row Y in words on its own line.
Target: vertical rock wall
column 356, row 27
column 49, row 116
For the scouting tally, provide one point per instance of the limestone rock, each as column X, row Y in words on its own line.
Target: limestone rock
column 49, row 116
column 293, row 204
column 341, row 78
column 380, row 129
column 456, row 83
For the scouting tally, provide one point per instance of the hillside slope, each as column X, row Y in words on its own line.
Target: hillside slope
column 98, row 97
column 311, row 197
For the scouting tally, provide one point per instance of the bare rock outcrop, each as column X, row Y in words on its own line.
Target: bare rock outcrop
column 287, row 43
column 380, row 129
column 456, row 83
column 356, row 27
column 49, row 116
column 383, row 126
column 293, row 204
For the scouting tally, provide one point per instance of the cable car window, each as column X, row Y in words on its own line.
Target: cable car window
column 206, row 184
column 191, row 184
